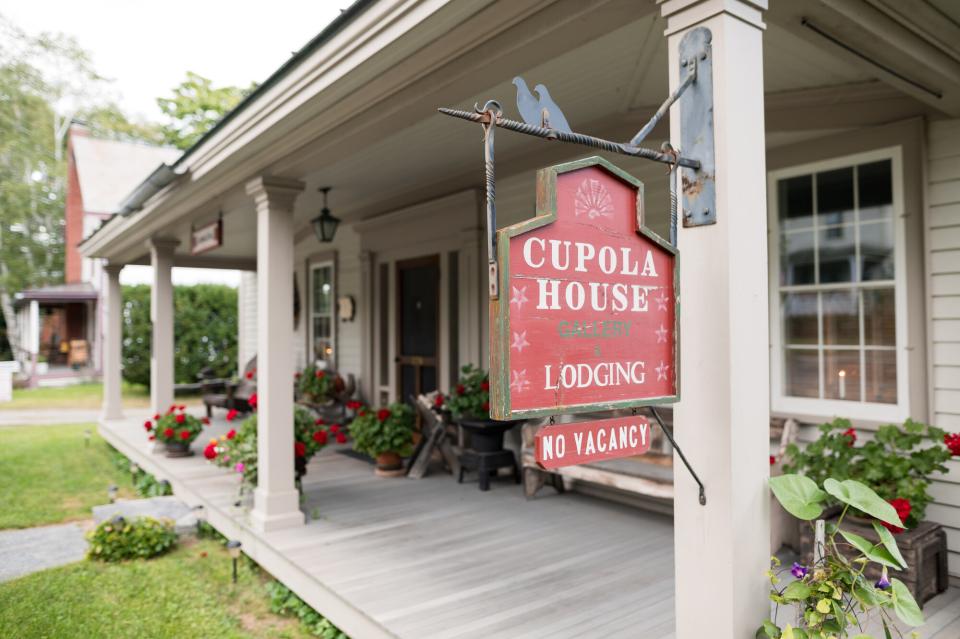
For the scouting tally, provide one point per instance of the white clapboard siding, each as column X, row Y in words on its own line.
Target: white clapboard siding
column 943, row 244
column 246, row 318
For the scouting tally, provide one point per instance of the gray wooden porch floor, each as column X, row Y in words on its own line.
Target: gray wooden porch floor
column 431, row 558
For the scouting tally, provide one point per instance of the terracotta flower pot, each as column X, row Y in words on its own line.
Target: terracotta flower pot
column 389, row 461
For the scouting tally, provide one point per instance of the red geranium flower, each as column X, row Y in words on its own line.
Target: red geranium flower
column 210, row 452
column 354, row 404
column 902, row 506
column 184, row 434
column 182, row 407
column 341, row 438
column 335, row 428
column 299, row 449
column 438, row 401
column 253, row 401
column 773, row 460
column 318, row 422
column 321, row 374
column 320, row 437
column 172, row 408
column 148, row 425
column 461, row 389
column 232, row 414
column 168, row 433
column 296, row 375
column 181, row 418
column 152, row 437
column 362, row 413
column 485, row 406
column 383, row 414
column 953, row 443
column 851, row 434
column 157, row 416
column 205, row 421
column 485, row 385
column 231, row 434
column 251, row 373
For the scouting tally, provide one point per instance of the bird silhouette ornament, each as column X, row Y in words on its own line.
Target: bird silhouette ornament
column 539, row 110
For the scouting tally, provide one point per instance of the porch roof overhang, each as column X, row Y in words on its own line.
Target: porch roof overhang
column 357, row 107
column 59, row 293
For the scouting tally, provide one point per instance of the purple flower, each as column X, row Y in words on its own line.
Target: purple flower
column 239, row 467
column 799, row 571
column 883, row 582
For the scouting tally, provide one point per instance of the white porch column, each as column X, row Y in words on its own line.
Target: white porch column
column 276, row 501
column 161, row 317
column 723, row 548
column 112, row 343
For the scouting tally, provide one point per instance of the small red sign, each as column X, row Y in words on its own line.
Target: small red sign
column 586, row 318
column 569, row 444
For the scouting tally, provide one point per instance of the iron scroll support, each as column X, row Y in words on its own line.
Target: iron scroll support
column 673, row 442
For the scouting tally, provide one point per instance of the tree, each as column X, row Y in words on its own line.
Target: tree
column 110, row 122
column 196, row 106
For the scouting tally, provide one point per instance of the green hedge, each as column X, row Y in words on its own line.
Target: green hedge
column 205, row 332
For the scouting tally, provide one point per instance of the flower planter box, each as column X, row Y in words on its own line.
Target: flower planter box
column 924, row 548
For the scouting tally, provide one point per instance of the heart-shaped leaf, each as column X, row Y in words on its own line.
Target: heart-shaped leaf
column 905, row 605
column 799, row 495
column 886, row 538
column 874, row 552
column 855, row 494
column 797, row 590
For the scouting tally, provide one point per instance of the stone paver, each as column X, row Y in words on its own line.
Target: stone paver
column 157, row 507
column 32, row 549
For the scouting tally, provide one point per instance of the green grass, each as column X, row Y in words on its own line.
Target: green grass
column 48, row 475
column 88, row 396
column 187, row 593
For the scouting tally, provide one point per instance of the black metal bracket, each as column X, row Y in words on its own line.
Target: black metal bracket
column 673, row 442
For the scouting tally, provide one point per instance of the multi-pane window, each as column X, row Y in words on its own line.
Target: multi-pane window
column 322, row 312
column 835, row 230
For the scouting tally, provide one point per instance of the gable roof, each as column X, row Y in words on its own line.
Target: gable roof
column 109, row 170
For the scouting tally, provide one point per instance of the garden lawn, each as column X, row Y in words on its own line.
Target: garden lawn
column 48, row 475
column 86, row 396
column 185, row 594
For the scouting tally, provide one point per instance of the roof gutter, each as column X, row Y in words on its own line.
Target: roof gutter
column 160, row 178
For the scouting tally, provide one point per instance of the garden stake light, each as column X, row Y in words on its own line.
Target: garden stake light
column 86, row 437
column 200, row 513
column 233, row 547
column 112, row 493
column 134, row 469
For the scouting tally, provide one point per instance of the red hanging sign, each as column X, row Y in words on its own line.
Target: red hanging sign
column 586, row 318
column 569, row 444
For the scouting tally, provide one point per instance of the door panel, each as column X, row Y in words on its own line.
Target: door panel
column 418, row 325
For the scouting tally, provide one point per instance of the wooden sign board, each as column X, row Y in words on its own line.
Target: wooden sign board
column 587, row 315
column 207, row 237
column 569, row 444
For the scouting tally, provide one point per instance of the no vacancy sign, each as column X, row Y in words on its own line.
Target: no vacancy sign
column 586, row 319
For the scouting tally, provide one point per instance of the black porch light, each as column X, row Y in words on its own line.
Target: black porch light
column 325, row 225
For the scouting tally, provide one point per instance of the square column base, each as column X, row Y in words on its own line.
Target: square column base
column 276, row 511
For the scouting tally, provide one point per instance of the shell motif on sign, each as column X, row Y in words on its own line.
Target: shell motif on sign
column 588, row 312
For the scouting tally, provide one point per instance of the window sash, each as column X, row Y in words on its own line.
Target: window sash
column 322, row 273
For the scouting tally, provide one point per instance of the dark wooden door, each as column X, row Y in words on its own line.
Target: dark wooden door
column 418, row 325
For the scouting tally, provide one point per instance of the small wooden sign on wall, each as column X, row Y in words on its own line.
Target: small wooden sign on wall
column 588, row 313
column 207, row 237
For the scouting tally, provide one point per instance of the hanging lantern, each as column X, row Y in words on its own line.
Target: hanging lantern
column 325, row 225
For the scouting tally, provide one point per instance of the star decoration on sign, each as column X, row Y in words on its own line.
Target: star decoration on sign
column 519, row 381
column 519, row 296
column 662, row 371
column 520, row 341
column 661, row 334
column 661, row 301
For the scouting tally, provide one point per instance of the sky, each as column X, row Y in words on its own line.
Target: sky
column 146, row 49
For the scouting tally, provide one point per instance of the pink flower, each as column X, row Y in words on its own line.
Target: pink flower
column 239, row 467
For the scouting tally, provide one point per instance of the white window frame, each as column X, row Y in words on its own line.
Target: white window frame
column 315, row 265
column 781, row 403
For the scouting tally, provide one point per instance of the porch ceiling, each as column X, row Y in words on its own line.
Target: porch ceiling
column 605, row 63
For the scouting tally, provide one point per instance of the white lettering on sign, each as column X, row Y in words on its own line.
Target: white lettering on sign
column 602, row 374
column 592, row 441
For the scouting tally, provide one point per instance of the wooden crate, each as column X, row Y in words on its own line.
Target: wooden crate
column 924, row 548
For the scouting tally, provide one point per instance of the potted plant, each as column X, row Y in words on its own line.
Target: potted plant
column 831, row 595
column 318, row 386
column 237, row 450
column 176, row 429
column 385, row 435
column 896, row 464
column 469, row 404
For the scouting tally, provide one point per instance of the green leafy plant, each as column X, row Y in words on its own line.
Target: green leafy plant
column 284, row 602
column 388, row 430
column 832, row 598
column 317, row 385
column 119, row 539
column 896, row 463
column 237, row 449
column 176, row 425
column 471, row 395
column 144, row 483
